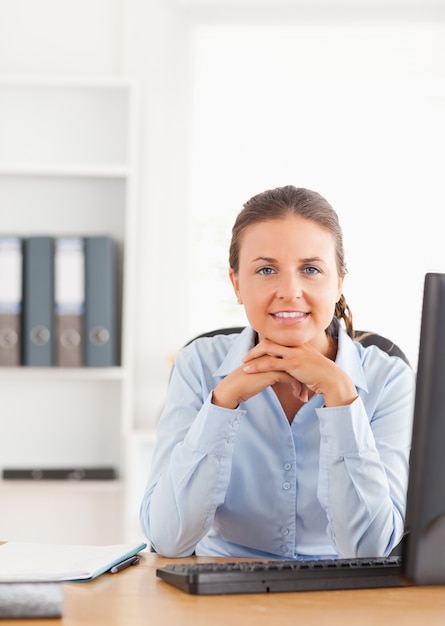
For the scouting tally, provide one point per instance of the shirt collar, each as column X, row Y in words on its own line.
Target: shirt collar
column 348, row 357
column 234, row 358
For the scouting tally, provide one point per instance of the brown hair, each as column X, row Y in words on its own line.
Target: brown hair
column 282, row 202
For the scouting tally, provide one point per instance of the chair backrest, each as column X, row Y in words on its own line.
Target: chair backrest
column 368, row 338
column 365, row 337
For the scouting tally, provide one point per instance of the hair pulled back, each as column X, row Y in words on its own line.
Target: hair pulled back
column 289, row 200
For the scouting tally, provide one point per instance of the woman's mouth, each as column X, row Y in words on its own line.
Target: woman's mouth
column 290, row 316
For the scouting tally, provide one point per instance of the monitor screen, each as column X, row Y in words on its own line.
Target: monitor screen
column 424, row 544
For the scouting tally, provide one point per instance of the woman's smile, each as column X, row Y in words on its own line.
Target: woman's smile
column 290, row 317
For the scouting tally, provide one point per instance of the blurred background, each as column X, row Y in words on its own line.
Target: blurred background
column 236, row 96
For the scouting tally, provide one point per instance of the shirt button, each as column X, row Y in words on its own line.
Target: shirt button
column 284, row 549
column 285, row 531
column 288, row 466
column 286, row 486
column 230, row 439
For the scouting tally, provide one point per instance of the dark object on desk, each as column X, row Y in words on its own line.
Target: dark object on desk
column 423, row 553
column 278, row 576
column 22, row 600
column 132, row 560
column 65, row 473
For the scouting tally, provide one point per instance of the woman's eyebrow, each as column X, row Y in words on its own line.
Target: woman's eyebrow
column 266, row 259
column 314, row 259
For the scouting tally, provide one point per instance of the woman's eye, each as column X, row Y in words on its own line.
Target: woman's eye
column 311, row 270
column 266, row 271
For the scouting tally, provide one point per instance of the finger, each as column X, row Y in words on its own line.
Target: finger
column 266, row 363
column 301, row 392
column 255, row 383
column 266, row 348
column 270, row 377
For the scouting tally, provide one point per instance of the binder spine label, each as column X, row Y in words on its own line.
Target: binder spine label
column 69, row 300
column 10, row 300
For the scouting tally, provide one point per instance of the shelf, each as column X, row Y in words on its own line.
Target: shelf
column 75, row 170
column 62, row 486
column 68, row 168
column 73, row 374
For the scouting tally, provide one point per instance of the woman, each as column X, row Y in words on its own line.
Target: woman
column 289, row 440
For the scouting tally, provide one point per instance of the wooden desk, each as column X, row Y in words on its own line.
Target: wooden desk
column 135, row 597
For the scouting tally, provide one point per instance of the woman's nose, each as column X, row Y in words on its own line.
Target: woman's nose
column 289, row 287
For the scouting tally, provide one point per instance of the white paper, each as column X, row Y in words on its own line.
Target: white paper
column 34, row 562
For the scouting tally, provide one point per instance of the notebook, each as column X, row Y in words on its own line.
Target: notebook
column 52, row 562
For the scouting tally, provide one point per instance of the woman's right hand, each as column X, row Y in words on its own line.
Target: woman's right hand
column 239, row 386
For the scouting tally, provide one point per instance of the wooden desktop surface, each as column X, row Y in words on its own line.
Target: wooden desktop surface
column 136, row 597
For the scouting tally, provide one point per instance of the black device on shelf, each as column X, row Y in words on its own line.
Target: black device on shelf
column 60, row 473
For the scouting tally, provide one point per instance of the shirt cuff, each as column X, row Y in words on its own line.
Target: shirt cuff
column 215, row 429
column 345, row 430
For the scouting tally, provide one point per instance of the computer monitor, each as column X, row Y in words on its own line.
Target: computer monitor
column 424, row 543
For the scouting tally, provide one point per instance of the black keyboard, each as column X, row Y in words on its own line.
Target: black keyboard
column 272, row 576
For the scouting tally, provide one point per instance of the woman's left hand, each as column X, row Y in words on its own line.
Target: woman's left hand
column 310, row 367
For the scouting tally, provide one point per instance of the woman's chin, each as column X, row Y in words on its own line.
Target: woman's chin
column 285, row 337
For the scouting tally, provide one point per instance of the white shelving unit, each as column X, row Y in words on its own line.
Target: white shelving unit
column 68, row 167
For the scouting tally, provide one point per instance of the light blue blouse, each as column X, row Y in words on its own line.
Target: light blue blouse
column 246, row 483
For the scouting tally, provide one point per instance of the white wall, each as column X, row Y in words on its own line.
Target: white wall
column 378, row 160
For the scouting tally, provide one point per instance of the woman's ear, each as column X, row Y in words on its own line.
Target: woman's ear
column 235, row 284
column 341, row 280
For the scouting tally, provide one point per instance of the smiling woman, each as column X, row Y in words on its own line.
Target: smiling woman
column 288, row 439
column 288, row 257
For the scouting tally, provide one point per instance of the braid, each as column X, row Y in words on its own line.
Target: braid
column 343, row 312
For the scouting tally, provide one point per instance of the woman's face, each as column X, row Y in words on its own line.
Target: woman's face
column 288, row 280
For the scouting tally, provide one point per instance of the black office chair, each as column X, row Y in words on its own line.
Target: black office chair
column 365, row 337
column 368, row 338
